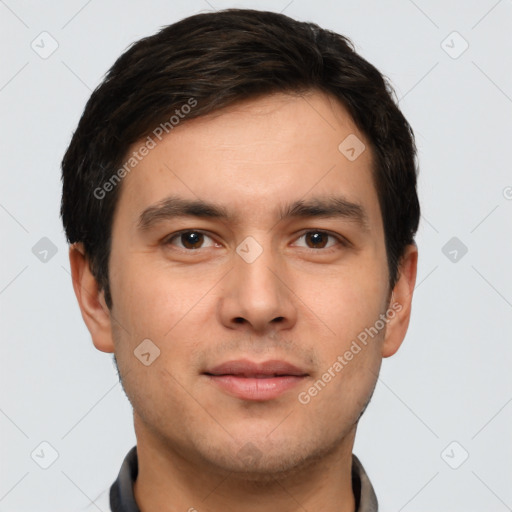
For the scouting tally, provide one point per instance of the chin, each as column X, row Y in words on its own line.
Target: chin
column 266, row 461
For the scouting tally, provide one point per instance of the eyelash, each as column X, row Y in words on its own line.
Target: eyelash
column 341, row 240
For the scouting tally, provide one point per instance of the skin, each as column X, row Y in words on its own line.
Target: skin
column 299, row 301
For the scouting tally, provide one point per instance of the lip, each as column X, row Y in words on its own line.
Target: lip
column 249, row 380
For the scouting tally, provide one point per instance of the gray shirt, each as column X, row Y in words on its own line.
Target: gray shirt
column 122, row 499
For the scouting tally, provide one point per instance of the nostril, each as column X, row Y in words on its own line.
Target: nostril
column 278, row 319
column 239, row 320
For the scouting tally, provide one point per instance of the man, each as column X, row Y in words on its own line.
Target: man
column 240, row 200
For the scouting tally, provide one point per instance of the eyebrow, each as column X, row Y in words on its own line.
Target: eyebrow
column 173, row 206
column 335, row 207
column 328, row 207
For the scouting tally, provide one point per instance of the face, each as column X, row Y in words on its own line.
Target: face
column 249, row 249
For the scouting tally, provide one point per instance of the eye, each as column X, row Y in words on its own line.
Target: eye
column 319, row 240
column 191, row 239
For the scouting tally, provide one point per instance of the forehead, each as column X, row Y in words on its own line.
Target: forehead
column 254, row 157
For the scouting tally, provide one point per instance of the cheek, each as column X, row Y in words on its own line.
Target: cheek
column 347, row 300
column 350, row 361
column 171, row 310
column 151, row 298
column 349, row 304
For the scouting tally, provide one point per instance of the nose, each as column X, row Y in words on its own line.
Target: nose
column 256, row 296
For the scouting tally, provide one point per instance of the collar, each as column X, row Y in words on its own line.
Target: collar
column 122, row 499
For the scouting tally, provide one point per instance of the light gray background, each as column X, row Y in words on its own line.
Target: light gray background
column 450, row 381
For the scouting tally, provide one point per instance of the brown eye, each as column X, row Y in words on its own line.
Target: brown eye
column 192, row 239
column 321, row 241
column 316, row 239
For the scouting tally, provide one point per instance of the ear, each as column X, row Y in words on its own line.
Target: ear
column 400, row 304
column 90, row 299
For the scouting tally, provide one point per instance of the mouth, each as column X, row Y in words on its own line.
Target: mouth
column 252, row 381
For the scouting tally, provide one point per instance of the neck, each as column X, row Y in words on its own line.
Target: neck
column 169, row 482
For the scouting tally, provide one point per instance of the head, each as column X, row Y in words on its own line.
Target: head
column 243, row 186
